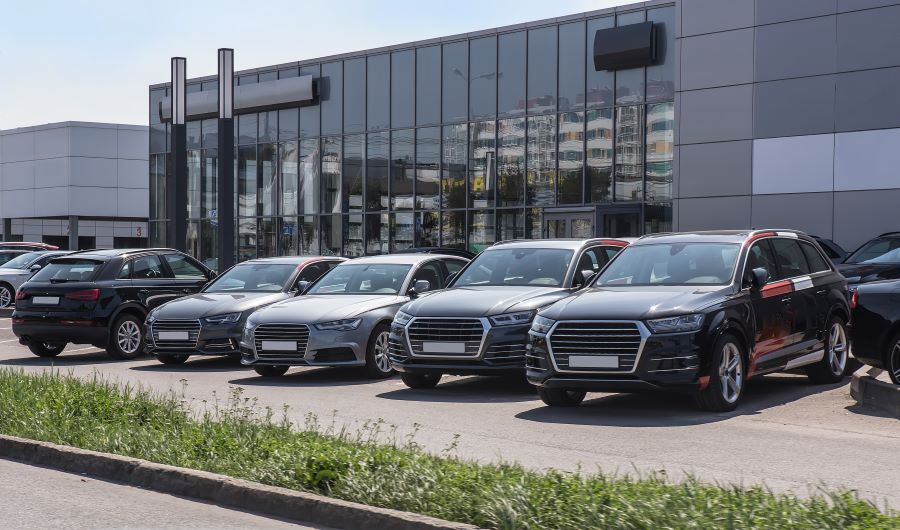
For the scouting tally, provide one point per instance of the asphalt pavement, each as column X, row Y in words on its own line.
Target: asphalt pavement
column 788, row 434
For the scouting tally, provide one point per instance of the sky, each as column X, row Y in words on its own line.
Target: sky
column 92, row 60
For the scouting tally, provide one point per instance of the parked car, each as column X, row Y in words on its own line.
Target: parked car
column 101, row 297
column 6, row 255
column 211, row 322
column 875, row 326
column 701, row 312
column 479, row 325
column 458, row 252
column 877, row 259
column 835, row 252
column 19, row 269
column 344, row 318
column 26, row 245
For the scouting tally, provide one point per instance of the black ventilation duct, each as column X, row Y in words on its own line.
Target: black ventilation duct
column 630, row 46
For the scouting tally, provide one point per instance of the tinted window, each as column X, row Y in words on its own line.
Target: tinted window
column 6, row 256
column 571, row 66
column 455, row 85
column 402, row 169
column 431, row 273
column 331, row 90
column 661, row 76
column 182, row 267
column 672, row 264
column 791, row 261
column 378, row 92
column 309, row 115
column 760, row 257
column 541, row 65
column 355, row 95
column 428, row 163
column 315, row 271
column 376, row 278
column 599, row 84
column 252, row 277
column 146, row 267
column 70, row 270
column 883, row 250
column 428, row 85
column 23, row 261
column 125, row 271
column 511, row 162
column 353, row 173
column 511, row 74
column 403, row 83
column 816, row 262
column 596, row 258
column 454, row 266
column 453, row 171
column 483, row 78
column 518, row 266
column 377, row 154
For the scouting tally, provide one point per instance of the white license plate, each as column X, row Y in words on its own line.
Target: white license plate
column 593, row 361
column 279, row 345
column 444, row 347
column 45, row 300
column 174, row 335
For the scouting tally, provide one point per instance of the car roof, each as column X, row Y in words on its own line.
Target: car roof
column 400, row 259
column 563, row 243
column 717, row 236
column 107, row 253
column 291, row 260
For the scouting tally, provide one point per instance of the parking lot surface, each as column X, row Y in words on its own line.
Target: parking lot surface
column 787, row 434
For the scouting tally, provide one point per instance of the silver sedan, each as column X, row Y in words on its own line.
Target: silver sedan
column 20, row 269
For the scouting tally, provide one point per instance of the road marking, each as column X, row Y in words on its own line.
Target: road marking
column 82, row 349
column 10, row 340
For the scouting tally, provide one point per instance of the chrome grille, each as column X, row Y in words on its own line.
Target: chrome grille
column 298, row 333
column 506, row 353
column 621, row 340
column 469, row 331
column 192, row 327
column 396, row 351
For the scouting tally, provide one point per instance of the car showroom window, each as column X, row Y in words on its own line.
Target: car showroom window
column 816, row 262
column 183, row 268
column 791, row 261
column 145, row 267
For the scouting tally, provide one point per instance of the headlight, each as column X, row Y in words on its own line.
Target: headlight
column 347, row 324
column 247, row 335
column 675, row 324
column 228, row 318
column 151, row 318
column 542, row 325
column 402, row 318
column 508, row 319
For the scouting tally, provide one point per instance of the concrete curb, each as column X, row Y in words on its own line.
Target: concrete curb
column 6, row 312
column 867, row 390
column 219, row 489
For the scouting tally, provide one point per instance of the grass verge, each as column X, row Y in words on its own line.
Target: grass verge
column 241, row 440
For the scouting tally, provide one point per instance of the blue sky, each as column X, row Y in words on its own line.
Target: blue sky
column 92, row 60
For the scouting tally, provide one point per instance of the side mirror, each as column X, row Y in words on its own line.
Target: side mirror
column 212, row 275
column 301, row 288
column 760, row 277
column 584, row 277
column 420, row 286
column 34, row 268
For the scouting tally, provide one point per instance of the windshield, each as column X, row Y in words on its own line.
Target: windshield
column 5, row 256
column 69, row 270
column 373, row 278
column 672, row 264
column 877, row 251
column 271, row 277
column 20, row 262
column 518, row 266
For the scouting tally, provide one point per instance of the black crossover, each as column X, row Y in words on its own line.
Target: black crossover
column 876, row 259
column 875, row 326
column 101, row 297
column 696, row 311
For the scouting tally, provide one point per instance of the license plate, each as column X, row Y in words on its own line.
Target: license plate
column 174, row 335
column 593, row 361
column 45, row 300
column 279, row 345
column 444, row 347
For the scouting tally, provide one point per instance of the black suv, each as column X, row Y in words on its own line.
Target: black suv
column 696, row 311
column 101, row 297
column 877, row 259
column 480, row 323
column 875, row 326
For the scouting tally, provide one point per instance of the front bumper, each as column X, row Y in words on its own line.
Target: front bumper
column 211, row 340
column 70, row 328
column 323, row 348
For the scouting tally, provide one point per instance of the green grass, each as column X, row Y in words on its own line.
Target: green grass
column 239, row 439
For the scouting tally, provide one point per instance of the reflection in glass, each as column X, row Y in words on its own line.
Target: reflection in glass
column 309, row 114
column 246, row 239
column 661, row 76
column 571, row 157
column 331, row 174
column 208, row 174
column 268, row 185
column 571, row 66
column 403, row 84
column 331, row 229
column 378, row 233
column 157, row 234
column 246, row 184
column 481, row 230
column 308, row 236
column 209, row 244
column 541, row 69
column 660, row 151
column 158, row 186
column 600, row 84
column 193, row 183
column 353, row 236
column 192, row 239
column 268, row 126
column 289, row 243
column 511, row 74
column 428, row 85
column 483, row 80
column 267, row 243
column 428, row 167
column 309, row 181
column 331, row 90
column 453, row 229
column 540, row 181
column 629, row 144
column 599, row 138
column 377, row 153
column 657, row 217
column 402, row 169
column 453, row 169
column 355, row 95
column 402, row 232
column 511, row 162
column 455, row 78
column 210, row 133
column 352, row 181
column 287, row 124
column 289, row 175
column 510, row 224
column 629, row 86
column 378, row 91
column 482, row 151
column 428, row 229
column 246, row 128
column 192, row 134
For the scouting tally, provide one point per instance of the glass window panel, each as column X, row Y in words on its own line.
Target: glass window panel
column 209, row 184
column 210, row 133
column 455, row 67
column 309, row 181
column 482, row 155
column 378, row 92
column 331, row 230
column 246, row 184
column 268, row 184
column 156, row 96
column 511, row 74
column 533, row 218
column 308, row 236
column 192, row 134
column 192, row 243
column 660, row 151
column 428, row 229
column 193, row 87
column 453, row 168
column 511, row 162
column 211, row 86
column 268, row 76
column 267, row 242
column 481, row 230
column 540, row 181
column 402, row 169
column 633, row 17
column 286, row 73
column 599, row 154
column 331, row 90
column 483, row 78
column 378, row 233
column 629, row 145
column 355, row 95
column 571, row 157
column 428, row 167
column 158, row 186
column 542, row 69
column 288, row 171
column 661, row 76
column 331, row 174
column 309, row 114
column 246, row 239
column 352, row 177
column 428, row 85
column 571, row 66
column 193, row 183
column 377, row 171
column 287, row 124
column 246, row 128
column 510, row 224
column 657, row 217
column 403, row 85
column 268, row 126
column 353, row 236
column 158, row 138
column 453, row 229
column 288, row 237
column 158, row 234
column 209, row 244
column 600, row 85
column 629, row 86
column 402, row 231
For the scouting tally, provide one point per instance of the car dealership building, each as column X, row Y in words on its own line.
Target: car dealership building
column 655, row 116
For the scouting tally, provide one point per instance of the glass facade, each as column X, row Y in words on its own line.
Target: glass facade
column 458, row 144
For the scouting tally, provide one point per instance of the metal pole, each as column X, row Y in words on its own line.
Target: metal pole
column 178, row 153
column 225, row 182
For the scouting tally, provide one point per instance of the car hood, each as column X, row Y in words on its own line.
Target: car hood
column 209, row 304
column 13, row 272
column 323, row 308
column 483, row 301
column 634, row 303
column 869, row 272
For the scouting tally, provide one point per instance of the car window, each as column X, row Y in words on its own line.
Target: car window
column 144, row 267
column 314, row 271
column 882, row 250
column 596, row 258
column 517, row 266
column 20, row 262
column 124, row 272
column 760, row 257
column 826, row 248
column 816, row 262
column 791, row 261
column 249, row 276
column 68, row 270
column 183, row 268
column 358, row 278
column 430, row 272
column 454, row 265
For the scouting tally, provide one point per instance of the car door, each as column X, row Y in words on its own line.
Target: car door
column 823, row 279
column 187, row 275
column 769, row 306
column 801, row 308
column 151, row 282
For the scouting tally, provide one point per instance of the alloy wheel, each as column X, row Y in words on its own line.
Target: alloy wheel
column 381, row 352
column 731, row 373
column 128, row 337
column 837, row 348
column 5, row 297
column 894, row 363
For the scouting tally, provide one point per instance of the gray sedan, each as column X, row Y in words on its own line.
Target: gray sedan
column 20, row 269
column 344, row 318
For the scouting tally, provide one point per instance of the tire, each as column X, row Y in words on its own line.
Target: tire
column 176, row 358
column 7, row 295
column 420, row 381
column 892, row 359
column 126, row 339
column 271, row 371
column 378, row 364
column 561, row 397
column 833, row 365
column 43, row 349
column 727, row 378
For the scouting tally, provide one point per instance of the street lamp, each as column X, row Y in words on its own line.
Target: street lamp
column 176, row 195
column 225, row 204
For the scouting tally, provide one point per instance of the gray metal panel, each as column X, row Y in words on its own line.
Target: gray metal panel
column 717, row 213
column 810, row 212
column 717, row 59
column 794, row 107
column 868, row 39
column 866, row 160
column 771, row 11
column 796, row 49
column 860, row 100
column 708, row 16
column 717, row 169
column 793, row 164
column 851, row 229
column 717, row 114
column 853, row 5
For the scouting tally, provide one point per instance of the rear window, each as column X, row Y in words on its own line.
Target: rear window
column 68, row 270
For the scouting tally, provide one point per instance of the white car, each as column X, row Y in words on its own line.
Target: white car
column 19, row 270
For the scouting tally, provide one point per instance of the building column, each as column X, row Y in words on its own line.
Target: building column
column 225, row 182
column 177, row 191
column 7, row 229
column 73, row 232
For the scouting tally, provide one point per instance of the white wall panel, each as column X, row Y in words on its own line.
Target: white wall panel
column 93, row 172
column 49, row 172
column 867, row 160
column 793, row 164
column 16, row 147
column 133, row 202
column 18, row 175
column 51, row 143
column 96, row 202
column 133, row 173
column 93, row 141
column 133, row 144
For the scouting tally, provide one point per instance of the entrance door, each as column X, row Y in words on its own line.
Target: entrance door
column 559, row 225
column 620, row 221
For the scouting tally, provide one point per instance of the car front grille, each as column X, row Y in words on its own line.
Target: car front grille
column 191, row 327
column 595, row 344
column 396, row 351
column 298, row 333
column 443, row 332
column 512, row 353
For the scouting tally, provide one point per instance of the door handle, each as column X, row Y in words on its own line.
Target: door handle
column 143, row 292
column 786, row 300
column 186, row 291
column 822, row 291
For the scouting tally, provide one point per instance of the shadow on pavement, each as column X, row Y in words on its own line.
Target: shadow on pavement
column 194, row 364
column 663, row 409
column 67, row 359
column 474, row 389
column 311, row 377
